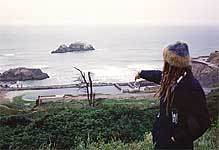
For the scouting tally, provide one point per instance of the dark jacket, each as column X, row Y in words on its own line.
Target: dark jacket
column 188, row 116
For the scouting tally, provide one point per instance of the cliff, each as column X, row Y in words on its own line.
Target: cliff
column 206, row 69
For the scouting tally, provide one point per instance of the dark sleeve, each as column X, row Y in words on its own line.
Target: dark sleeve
column 151, row 75
column 197, row 116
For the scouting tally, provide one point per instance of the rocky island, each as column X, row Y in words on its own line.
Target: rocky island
column 74, row 47
column 22, row 74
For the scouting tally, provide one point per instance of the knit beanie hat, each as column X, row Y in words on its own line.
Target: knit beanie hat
column 177, row 54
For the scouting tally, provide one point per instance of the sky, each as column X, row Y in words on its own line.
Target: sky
column 98, row 12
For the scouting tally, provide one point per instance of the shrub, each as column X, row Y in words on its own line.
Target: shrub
column 68, row 127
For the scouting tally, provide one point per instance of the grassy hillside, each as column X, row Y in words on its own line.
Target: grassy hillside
column 113, row 124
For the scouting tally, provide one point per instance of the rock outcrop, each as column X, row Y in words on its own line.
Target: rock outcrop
column 207, row 72
column 22, row 74
column 77, row 46
column 214, row 58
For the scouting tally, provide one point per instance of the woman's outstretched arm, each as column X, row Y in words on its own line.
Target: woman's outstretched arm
column 150, row 75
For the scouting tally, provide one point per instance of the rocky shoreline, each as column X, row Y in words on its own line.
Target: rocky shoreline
column 127, row 84
column 205, row 69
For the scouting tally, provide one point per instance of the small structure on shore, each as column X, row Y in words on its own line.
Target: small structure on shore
column 74, row 47
column 133, row 88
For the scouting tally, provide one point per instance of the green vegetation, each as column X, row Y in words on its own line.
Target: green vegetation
column 145, row 144
column 113, row 124
column 17, row 106
column 213, row 104
column 209, row 141
column 67, row 125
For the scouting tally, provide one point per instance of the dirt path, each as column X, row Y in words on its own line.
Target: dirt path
column 122, row 96
column 127, row 96
column 134, row 96
column 3, row 99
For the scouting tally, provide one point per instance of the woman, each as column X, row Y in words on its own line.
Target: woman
column 183, row 115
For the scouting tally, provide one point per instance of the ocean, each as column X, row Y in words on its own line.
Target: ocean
column 120, row 52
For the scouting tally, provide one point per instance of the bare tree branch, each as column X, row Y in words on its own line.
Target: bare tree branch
column 91, row 89
column 87, row 85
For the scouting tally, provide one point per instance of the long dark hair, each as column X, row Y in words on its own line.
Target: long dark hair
column 169, row 78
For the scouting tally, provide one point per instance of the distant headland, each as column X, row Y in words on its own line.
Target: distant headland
column 74, row 47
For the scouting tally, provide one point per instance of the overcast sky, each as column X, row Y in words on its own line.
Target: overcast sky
column 97, row 12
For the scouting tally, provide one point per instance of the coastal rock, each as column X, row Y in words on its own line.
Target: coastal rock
column 77, row 46
column 22, row 74
column 62, row 49
column 214, row 58
column 207, row 72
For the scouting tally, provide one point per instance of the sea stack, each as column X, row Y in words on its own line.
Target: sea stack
column 74, row 47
